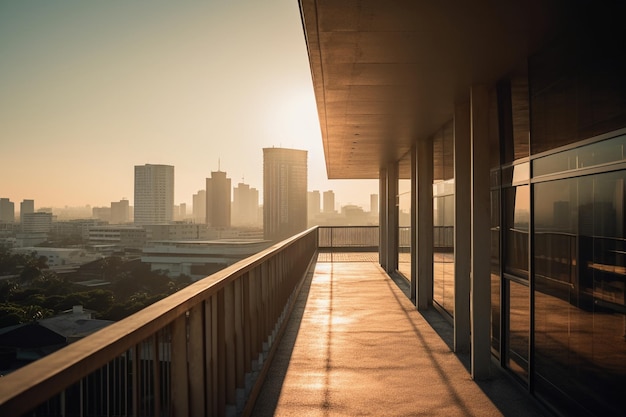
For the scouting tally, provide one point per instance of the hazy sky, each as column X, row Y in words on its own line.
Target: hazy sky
column 89, row 89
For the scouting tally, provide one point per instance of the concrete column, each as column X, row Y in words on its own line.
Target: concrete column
column 424, row 230
column 382, row 219
column 413, row 289
column 392, row 217
column 462, row 227
column 480, row 301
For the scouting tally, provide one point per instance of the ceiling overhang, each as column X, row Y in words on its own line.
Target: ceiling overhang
column 388, row 73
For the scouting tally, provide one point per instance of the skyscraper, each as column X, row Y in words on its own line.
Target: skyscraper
column 245, row 205
column 314, row 201
column 7, row 211
column 329, row 201
column 199, row 206
column 26, row 206
column 218, row 200
column 154, row 194
column 284, row 192
column 120, row 212
column 374, row 204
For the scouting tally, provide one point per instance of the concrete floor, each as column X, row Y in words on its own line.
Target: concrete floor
column 356, row 346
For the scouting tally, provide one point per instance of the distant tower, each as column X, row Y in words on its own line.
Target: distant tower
column 218, row 200
column 154, row 194
column 7, row 211
column 199, row 207
column 329, row 201
column 374, row 204
column 284, row 192
column 313, row 203
column 120, row 212
column 26, row 206
column 245, row 205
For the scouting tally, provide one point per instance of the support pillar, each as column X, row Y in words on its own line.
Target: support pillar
column 382, row 219
column 414, row 258
column 424, row 230
column 462, row 227
column 480, row 301
column 392, row 217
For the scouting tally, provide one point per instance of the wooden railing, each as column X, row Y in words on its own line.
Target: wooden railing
column 198, row 352
column 348, row 238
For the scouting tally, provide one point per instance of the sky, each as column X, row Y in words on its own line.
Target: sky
column 89, row 89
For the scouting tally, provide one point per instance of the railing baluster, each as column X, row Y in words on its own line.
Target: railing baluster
column 179, row 369
column 219, row 350
column 229, row 340
column 197, row 390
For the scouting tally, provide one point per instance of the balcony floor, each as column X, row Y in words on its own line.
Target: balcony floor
column 356, row 346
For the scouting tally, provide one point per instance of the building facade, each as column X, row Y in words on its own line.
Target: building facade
column 245, row 206
column 120, row 212
column 154, row 194
column 199, row 206
column 502, row 172
column 218, row 196
column 26, row 206
column 329, row 201
column 313, row 203
column 7, row 211
column 284, row 192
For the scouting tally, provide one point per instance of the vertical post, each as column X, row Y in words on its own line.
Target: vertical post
column 480, row 302
column 218, row 353
column 180, row 391
column 414, row 225
column 382, row 219
column 197, row 390
column 392, row 217
column 462, row 227
column 229, row 342
column 156, row 370
column 424, row 184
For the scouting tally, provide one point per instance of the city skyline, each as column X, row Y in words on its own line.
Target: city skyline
column 89, row 90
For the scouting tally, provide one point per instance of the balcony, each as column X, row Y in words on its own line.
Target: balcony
column 351, row 343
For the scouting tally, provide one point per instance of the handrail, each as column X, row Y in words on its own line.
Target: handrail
column 218, row 329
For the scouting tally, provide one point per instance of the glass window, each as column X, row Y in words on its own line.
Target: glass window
column 495, row 271
column 404, row 216
column 580, row 299
column 518, row 325
column 611, row 150
column 517, row 216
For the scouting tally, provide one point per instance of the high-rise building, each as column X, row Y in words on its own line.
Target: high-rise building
column 120, row 212
column 199, row 206
column 218, row 200
column 154, row 194
column 39, row 222
column 374, row 204
column 284, row 192
column 313, row 203
column 329, row 201
column 7, row 211
column 245, row 205
column 26, row 206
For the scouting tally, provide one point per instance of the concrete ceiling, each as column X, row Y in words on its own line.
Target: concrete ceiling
column 388, row 73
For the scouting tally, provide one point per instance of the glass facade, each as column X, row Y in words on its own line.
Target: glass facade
column 443, row 218
column 404, row 216
column 558, row 234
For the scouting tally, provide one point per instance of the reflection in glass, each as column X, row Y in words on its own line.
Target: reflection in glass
column 443, row 239
column 495, row 271
column 580, row 280
column 404, row 216
column 611, row 150
column 517, row 216
column 518, row 325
